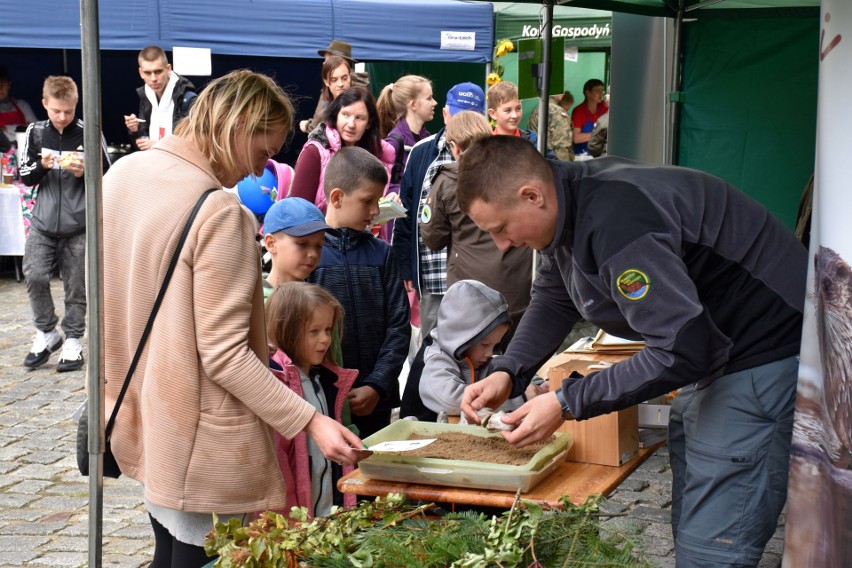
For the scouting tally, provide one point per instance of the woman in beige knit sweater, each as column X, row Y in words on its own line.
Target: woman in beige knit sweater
column 195, row 427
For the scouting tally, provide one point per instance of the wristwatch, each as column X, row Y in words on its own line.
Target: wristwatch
column 566, row 412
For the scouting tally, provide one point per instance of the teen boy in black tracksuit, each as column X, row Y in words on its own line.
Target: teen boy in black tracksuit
column 54, row 160
column 712, row 283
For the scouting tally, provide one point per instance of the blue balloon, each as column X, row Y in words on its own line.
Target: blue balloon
column 258, row 193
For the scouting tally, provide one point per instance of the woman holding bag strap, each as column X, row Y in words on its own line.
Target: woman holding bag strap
column 195, row 427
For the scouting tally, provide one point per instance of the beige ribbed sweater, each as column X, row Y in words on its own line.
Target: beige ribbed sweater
column 194, row 427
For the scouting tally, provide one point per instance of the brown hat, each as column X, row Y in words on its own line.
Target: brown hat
column 341, row 48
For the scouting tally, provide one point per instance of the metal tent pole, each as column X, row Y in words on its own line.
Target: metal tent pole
column 90, row 43
column 544, row 98
column 675, row 95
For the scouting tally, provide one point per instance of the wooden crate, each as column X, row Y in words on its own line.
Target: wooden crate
column 611, row 439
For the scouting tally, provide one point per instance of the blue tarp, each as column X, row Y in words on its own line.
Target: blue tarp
column 379, row 30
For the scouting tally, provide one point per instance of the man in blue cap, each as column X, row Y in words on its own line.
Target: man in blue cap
column 422, row 269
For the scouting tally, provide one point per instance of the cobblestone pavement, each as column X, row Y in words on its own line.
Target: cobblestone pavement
column 44, row 500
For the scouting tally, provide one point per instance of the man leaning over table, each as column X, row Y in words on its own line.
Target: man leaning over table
column 706, row 276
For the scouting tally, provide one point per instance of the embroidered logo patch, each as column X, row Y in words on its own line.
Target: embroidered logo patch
column 633, row 284
column 426, row 214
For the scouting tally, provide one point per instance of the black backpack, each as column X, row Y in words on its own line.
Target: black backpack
column 398, row 166
column 186, row 102
column 412, row 404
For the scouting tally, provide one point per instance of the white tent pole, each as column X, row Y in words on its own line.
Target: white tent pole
column 90, row 43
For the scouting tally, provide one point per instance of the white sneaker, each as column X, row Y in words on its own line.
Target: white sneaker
column 44, row 343
column 71, row 358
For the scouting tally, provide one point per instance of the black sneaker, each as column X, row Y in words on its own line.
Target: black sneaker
column 43, row 345
column 71, row 358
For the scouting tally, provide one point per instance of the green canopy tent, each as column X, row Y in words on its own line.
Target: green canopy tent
column 582, row 27
column 700, row 8
column 741, row 96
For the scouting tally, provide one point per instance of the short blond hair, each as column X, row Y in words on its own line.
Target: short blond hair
column 241, row 101
column 465, row 127
column 501, row 93
column 61, row 88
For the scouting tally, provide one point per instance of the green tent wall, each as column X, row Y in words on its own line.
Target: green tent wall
column 749, row 110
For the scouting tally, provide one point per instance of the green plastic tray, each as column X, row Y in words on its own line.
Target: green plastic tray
column 458, row 473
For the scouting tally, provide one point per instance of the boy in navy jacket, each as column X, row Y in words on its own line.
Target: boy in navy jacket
column 362, row 273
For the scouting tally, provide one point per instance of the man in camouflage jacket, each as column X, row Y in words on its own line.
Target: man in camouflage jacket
column 559, row 138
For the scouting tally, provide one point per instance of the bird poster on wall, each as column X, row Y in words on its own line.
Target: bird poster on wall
column 819, row 505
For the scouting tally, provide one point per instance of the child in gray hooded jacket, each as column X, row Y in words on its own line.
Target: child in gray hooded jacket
column 472, row 319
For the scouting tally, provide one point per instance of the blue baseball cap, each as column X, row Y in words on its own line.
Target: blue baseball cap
column 466, row 96
column 295, row 216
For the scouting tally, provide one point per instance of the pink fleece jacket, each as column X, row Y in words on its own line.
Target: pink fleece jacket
column 293, row 457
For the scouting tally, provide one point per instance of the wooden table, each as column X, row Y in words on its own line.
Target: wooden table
column 576, row 480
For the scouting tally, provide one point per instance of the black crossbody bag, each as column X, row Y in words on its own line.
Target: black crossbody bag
column 111, row 468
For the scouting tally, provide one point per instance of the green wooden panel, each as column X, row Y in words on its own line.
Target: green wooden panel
column 589, row 65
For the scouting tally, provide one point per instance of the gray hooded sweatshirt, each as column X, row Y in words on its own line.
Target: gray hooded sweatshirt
column 469, row 311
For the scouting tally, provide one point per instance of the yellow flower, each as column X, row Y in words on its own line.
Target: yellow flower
column 504, row 46
column 492, row 79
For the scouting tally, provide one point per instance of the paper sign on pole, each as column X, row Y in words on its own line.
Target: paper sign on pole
column 572, row 53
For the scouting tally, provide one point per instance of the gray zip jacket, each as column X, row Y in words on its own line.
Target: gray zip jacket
column 705, row 275
column 469, row 311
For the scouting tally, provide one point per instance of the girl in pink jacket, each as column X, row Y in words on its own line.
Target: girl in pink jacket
column 303, row 323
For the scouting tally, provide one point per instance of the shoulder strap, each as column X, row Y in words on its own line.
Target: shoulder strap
column 154, row 310
column 396, row 171
column 186, row 101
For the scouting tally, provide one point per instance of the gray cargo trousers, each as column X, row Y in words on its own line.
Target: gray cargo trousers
column 729, row 448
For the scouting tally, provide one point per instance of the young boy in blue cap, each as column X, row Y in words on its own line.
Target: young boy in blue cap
column 293, row 234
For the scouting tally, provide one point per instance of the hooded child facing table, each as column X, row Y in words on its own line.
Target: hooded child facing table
column 472, row 319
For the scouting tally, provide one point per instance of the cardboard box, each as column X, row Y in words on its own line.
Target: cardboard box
column 611, row 439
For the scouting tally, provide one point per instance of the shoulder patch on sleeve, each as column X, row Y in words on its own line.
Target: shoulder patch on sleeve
column 633, row 284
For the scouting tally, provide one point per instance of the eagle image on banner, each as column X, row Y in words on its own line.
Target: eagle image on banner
column 819, row 505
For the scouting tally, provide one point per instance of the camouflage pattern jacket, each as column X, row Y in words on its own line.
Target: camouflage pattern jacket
column 559, row 138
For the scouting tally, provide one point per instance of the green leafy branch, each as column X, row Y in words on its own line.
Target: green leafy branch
column 391, row 533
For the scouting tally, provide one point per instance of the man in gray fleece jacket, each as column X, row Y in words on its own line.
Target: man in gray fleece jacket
column 705, row 275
